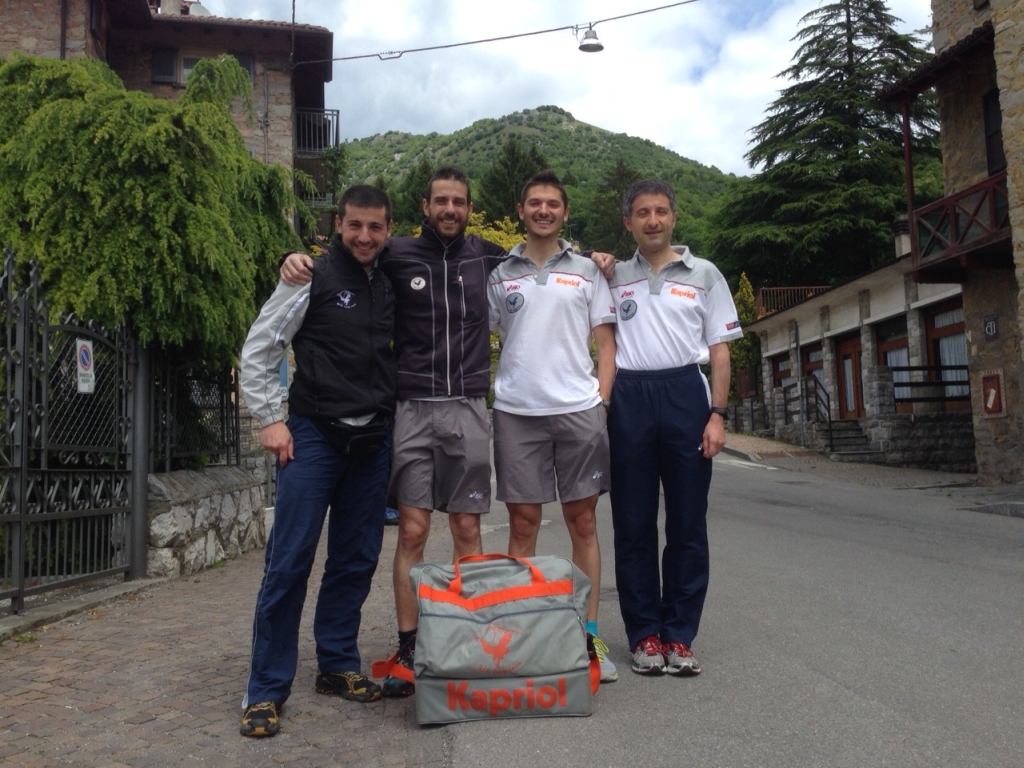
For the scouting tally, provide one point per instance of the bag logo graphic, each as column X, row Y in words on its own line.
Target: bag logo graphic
column 487, row 652
column 346, row 300
column 418, row 283
column 498, row 700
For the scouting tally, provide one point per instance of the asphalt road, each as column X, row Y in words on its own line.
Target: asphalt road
column 845, row 626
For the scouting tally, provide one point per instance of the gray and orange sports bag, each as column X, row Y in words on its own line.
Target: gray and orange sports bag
column 501, row 636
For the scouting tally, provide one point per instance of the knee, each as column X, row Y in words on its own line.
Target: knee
column 412, row 535
column 522, row 527
column 466, row 528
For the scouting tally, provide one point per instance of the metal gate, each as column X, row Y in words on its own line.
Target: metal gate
column 65, row 444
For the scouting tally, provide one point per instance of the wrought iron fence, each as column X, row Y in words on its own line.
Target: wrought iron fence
column 195, row 415
column 65, row 443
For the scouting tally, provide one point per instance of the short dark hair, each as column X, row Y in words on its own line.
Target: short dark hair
column 648, row 187
column 448, row 173
column 545, row 178
column 365, row 196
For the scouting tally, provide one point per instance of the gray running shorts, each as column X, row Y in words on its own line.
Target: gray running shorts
column 440, row 457
column 531, row 452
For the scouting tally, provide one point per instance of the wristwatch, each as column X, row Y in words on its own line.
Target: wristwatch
column 723, row 412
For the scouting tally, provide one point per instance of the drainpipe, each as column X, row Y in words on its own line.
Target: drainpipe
column 800, row 383
column 63, row 29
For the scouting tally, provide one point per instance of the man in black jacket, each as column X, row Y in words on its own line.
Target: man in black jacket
column 334, row 452
column 441, row 457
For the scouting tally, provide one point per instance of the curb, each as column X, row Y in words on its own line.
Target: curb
column 1006, row 508
column 753, row 458
column 62, row 609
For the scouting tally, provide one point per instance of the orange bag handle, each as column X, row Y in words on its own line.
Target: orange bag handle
column 392, row 667
column 455, row 587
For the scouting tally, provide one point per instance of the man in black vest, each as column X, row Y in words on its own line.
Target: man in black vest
column 334, row 453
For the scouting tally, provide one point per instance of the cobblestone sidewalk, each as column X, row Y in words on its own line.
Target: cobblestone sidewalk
column 156, row 677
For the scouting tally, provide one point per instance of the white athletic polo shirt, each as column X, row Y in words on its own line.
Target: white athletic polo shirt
column 544, row 317
column 668, row 319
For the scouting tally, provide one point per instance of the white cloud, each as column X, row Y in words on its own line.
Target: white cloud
column 695, row 78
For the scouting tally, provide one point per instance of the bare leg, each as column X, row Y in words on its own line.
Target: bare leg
column 413, row 529
column 586, row 552
column 523, row 526
column 465, row 528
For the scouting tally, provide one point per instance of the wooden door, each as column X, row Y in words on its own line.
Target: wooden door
column 848, row 374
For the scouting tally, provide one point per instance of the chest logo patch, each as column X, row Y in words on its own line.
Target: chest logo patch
column 346, row 299
column 514, row 302
column 627, row 309
column 418, row 284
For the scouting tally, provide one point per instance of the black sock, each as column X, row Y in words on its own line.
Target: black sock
column 406, row 639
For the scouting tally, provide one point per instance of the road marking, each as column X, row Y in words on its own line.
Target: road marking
column 745, row 464
column 492, row 528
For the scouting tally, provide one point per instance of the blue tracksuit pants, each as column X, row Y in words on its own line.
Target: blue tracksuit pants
column 317, row 479
column 655, row 428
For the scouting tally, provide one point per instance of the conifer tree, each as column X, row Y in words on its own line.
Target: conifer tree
column 820, row 210
column 141, row 210
column 605, row 231
column 744, row 352
column 502, row 182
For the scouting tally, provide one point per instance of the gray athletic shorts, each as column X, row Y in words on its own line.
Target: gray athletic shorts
column 440, row 457
column 530, row 451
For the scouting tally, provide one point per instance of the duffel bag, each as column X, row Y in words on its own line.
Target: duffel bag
column 501, row 636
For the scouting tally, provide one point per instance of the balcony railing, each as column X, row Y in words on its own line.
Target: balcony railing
column 316, row 130
column 771, row 300
column 967, row 221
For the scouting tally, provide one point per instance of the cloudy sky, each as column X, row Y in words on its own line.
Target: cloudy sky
column 695, row 78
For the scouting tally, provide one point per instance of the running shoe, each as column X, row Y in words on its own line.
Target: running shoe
column 395, row 687
column 608, row 672
column 680, row 661
column 648, row 658
column 261, row 719
column 353, row 686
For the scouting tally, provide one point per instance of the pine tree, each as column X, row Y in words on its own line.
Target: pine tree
column 407, row 202
column 821, row 209
column 501, row 184
column 605, row 231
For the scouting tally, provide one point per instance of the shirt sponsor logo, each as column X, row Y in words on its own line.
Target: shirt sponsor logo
column 684, row 294
column 418, row 283
column 513, row 287
column 732, row 326
column 627, row 309
column 498, row 700
column 567, row 281
column 626, row 294
column 514, row 302
column 346, row 299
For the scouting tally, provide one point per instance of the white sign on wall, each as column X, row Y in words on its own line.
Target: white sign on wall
column 86, row 369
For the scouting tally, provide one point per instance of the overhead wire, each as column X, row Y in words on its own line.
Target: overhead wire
column 388, row 55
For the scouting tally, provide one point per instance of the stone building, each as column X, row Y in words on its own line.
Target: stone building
column 153, row 44
column 975, row 235
column 866, row 371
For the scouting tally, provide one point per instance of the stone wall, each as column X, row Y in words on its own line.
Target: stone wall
column 953, row 20
column 939, row 441
column 999, row 447
column 33, row 27
column 198, row 518
column 964, row 162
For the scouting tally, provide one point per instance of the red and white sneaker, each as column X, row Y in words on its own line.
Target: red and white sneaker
column 648, row 658
column 679, row 660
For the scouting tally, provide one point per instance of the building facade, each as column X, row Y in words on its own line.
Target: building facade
column 152, row 45
column 975, row 235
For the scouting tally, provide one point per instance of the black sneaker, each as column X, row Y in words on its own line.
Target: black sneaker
column 353, row 686
column 260, row 719
column 395, row 687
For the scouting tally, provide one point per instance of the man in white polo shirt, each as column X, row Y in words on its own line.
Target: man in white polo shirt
column 549, row 409
column 675, row 312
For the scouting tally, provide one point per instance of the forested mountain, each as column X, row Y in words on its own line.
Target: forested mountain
column 592, row 162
